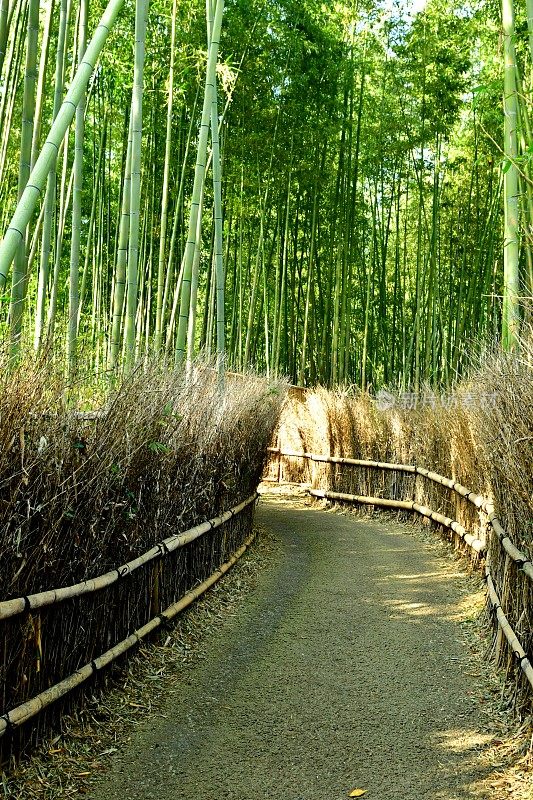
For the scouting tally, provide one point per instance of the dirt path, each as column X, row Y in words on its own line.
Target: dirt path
column 344, row 669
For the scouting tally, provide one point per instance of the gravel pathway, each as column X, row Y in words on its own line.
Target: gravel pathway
column 344, row 669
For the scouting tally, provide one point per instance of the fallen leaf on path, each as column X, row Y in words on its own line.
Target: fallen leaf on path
column 357, row 793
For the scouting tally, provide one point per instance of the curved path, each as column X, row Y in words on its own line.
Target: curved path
column 343, row 669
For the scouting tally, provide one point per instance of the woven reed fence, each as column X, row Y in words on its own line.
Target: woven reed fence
column 469, row 518
column 92, row 623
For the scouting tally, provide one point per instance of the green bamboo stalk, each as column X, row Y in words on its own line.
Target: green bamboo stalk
column 265, row 320
column 12, row 76
column 65, row 195
column 218, row 242
column 4, row 13
column 141, row 15
column 194, row 287
column 529, row 11
column 525, row 184
column 145, row 272
column 37, row 179
column 164, row 196
column 199, row 177
column 28, row 112
column 511, row 252
column 97, row 187
column 41, row 81
column 309, row 289
column 64, row 204
column 50, row 196
column 75, row 242
column 122, row 256
column 175, row 226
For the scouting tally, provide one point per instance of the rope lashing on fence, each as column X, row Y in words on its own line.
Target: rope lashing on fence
column 510, row 635
column 17, row 716
column 10, row 608
column 479, row 501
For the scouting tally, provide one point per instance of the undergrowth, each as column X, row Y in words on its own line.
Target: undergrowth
column 83, row 493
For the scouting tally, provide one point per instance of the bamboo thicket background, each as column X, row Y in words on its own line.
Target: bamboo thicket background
column 347, row 198
column 318, row 190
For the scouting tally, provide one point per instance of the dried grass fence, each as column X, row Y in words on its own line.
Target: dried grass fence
column 345, row 449
column 103, row 531
column 489, row 527
column 158, row 578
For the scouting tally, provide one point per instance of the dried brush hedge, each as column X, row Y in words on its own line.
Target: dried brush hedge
column 480, row 435
column 82, row 494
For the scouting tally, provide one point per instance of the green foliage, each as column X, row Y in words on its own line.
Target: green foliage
column 361, row 179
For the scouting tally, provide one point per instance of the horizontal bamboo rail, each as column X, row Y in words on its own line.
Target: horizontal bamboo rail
column 10, row 608
column 17, row 716
column 516, row 555
column 482, row 503
column 476, row 499
column 407, row 505
column 479, row 501
column 518, row 651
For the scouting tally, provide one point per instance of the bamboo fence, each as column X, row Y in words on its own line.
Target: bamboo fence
column 491, row 531
column 140, row 595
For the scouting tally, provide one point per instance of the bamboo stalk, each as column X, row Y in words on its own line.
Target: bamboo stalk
column 51, row 191
column 199, row 178
column 46, row 160
column 20, row 266
column 75, row 242
column 165, row 190
column 132, row 299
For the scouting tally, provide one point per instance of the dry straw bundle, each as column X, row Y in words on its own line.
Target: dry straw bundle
column 84, row 493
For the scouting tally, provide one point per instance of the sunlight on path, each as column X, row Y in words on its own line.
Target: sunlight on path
column 344, row 669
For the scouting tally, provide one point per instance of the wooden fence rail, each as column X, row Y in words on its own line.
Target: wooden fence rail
column 482, row 503
column 479, row 501
column 15, row 717
column 9, row 608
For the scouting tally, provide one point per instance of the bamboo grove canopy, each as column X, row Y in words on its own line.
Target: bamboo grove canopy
column 367, row 208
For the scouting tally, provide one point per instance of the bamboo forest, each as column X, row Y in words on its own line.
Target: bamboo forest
column 266, row 399
column 327, row 194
